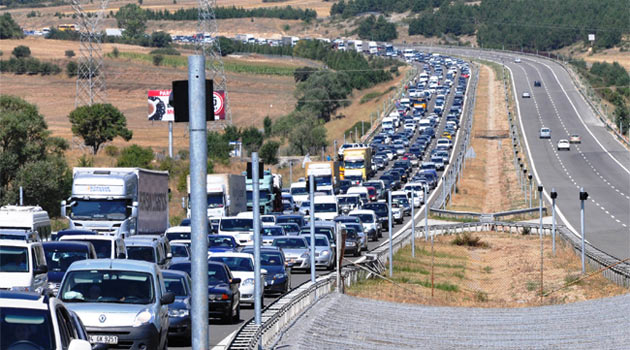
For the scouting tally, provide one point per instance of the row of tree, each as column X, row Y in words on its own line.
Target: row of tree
column 192, row 14
column 351, row 8
column 9, row 29
column 230, row 46
column 377, row 29
column 23, row 63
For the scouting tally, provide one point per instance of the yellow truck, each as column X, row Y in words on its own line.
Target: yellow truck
column 357, row 164
column 326, row 174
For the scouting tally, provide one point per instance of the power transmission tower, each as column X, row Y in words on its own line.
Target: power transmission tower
column 207, row 26
column 90, row 72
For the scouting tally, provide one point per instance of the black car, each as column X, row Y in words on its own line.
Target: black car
column 381, row 210
column 353, row 243
column 60, row 255
column 224, row 299
column 537, row 83
column 180, row 284
column 277, row 279
column 344, row 185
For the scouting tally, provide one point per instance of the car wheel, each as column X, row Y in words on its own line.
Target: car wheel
column 227, row 316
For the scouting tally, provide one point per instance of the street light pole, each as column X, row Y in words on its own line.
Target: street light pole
column 256, row 213
column 554, row 195
column 391, row 254
column 583, row 197
column 531, row 189
column 311, row 191
column 426, row 215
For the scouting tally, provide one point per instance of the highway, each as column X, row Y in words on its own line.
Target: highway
column 220, row 333
column 600, row 164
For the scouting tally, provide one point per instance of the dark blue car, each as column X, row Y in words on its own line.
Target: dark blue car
column 60, row 255
column 277, row 279
column 178, row 283
column 222, row 243
column 224, row 299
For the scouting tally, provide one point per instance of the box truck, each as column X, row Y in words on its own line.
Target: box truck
column 326, row 174
column 226, row 194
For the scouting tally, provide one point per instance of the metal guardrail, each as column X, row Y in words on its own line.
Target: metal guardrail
column 474, row 215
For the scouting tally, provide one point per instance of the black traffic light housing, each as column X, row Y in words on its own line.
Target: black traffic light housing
column 540, row 188
column 553, row 194
column 179, row 101
column 583, row 195
column 261, row 170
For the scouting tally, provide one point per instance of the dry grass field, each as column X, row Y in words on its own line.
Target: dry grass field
column 503, row 273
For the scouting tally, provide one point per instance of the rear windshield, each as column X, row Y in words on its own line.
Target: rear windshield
column 13, row 259
column 141, row 253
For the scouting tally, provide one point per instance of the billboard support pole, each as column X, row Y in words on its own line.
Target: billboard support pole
column 170, row 139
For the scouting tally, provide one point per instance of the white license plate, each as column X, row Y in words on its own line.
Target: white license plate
column 107, row 339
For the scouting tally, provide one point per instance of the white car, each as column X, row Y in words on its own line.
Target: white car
column 526, row 95
column 242, row 266
column 564, row 145
column 23, row 266
column 517, row 60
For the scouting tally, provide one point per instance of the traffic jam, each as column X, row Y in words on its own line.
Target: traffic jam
column 120, row 278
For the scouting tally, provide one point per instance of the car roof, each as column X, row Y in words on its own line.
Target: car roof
column 269, row 249
column 15, row 243
column 113, row 264
column 81, row 237
column 176, row 229
column 141, row 243
column 173, row 273
column 361, row 211
column 69, row 245
column 232, row 254
column 23, row 300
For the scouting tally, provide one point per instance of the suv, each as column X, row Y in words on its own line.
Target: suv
column 545, row 133
column 149, row 249
column 122, row 302
column 33, row 321
column 23, row 266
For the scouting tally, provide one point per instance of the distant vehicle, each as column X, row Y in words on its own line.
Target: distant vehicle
column 180, row 252
column 537, row 83
column 352, row 241
column 575, row 138
column 48, row 323
column 526, row 95
column 148, row 250
column 225, row 194
column 268, row 233
column 242, row 266
column 180, row 284
column 296, row 251
column 324, row 253
column 517, row 60
column 277, row 279
column 564, row 145
column 545, row 133
column 221, row 243
column 26, row 218
column 23, row 266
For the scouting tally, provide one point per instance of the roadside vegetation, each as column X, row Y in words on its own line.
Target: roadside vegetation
column 192, row 14
column 21, row 62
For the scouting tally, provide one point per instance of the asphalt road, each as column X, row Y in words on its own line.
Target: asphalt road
column 219, row 332
column 600, row 164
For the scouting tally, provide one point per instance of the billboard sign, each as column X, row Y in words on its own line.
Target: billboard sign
column 218, row 100
column 159, row 109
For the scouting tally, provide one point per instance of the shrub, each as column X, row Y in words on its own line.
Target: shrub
column 115, row 52
column 269, row 152
column 112, row 150
column 169, row 51
column 157, row 60
column 21, row 51
column 135, row 156
column 72, row 68
column 468, row 240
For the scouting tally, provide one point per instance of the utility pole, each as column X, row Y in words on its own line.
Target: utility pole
column 554, row 195
column 413, row 224
column 583, row 197
column 256, row 209
column 311, row 191
column 391, row 254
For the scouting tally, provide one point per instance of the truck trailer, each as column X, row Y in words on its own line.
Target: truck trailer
column 226, row 195
column 326, row 174
column 120, row 202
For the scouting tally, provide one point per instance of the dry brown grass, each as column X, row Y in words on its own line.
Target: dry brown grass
column 489, row 183
column 505, row 274
column 580, row 51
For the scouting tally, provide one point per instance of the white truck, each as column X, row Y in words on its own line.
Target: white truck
column 226, row 194
column 373, row 47
column 118, row 201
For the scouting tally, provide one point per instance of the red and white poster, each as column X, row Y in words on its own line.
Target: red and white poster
column 159, row 109
column 218, row 101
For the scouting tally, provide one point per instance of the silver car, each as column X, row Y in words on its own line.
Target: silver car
column 296, row 251
column 324, row 253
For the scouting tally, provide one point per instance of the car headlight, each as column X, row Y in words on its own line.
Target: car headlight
column 21, row 289
column 248, row 282
column 304, row 255
column 218, row 296
column 325, row 252
column 178, row 312
column 143, row 317
column 279, row 276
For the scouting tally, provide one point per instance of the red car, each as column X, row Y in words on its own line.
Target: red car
column 372, row 195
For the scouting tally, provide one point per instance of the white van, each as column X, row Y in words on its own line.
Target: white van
column 361, row 191
column 326, row 207
column 23, row 266
column 387, row 124
column 27, row 218
column 299, row 191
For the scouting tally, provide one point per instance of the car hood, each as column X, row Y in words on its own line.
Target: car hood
column 180, row 303
column 243, row 275
column 272, row 269
column 106, row 314
column 220, row 250
column 294, row 253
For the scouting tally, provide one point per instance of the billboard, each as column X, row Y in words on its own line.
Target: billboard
column 159, row 109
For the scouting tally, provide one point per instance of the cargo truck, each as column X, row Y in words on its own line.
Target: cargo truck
column 357, row 163
column 226, row 195
column 118, row 201
column 266, row 189
column 326, row 174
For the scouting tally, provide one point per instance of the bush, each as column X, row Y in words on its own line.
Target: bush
column 112, row 151
column 115, row 52
column 168, row 51
column 9, row 29
column 160, row 39
column 135, row 156
column 85, row 162
column 157, row 60
column 21, row 51
column 468, row 240
column 72, row 69
column 269, row 152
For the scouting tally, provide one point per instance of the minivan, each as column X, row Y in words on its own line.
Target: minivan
column 23, row 266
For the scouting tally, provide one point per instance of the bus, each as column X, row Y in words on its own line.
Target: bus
column 67, row 27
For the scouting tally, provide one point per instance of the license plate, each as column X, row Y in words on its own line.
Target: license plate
column 291, row 261
column 107, row 339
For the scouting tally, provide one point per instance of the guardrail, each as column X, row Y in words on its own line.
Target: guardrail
column 493, row 216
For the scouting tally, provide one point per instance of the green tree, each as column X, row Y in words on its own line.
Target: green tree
column 301, row 74
column 307, row 134
column 98, row 124
column 269, row 152
column 135, row 156
column 21, row 51
column 252, row 139
column 72, row 69
column 160, row 39
column 267, row 125
column 232, row 133
column 30, row 157
column 218, row 147
column 8, row 28
column 133, row 20
column 157, row 60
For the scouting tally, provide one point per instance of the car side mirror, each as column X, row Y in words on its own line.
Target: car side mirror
column 169, row 255
column 167, row 298
column 79, row 344
column 41, row 269
column 263, row 271
column 235, row 280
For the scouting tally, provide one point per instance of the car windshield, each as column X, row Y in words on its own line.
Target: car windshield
column 13, row 259
column 99, row 209
column 237, row 224
column 216, row 272
column 176, row 286
column 356, row 227
column 107, row 286
column 321, row 242
column 58, row 260
column 351, row 233
column 271, row 259
column 354, row 164
column 348, row 200
column 298, row 190
column 235, row 263
column 376, row 207
column 179, row 251
column 177, row 235
column 221, row 241
column 141, row 253
column 366, row 218
column 103, row 247
column 215, row 200
column 290, row 243
column 20, row 325
column 290, row 227
column 272, row 231
column 323, row 180
column 325, row 207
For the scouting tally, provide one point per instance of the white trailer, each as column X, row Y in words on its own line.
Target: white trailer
column 226, row 194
